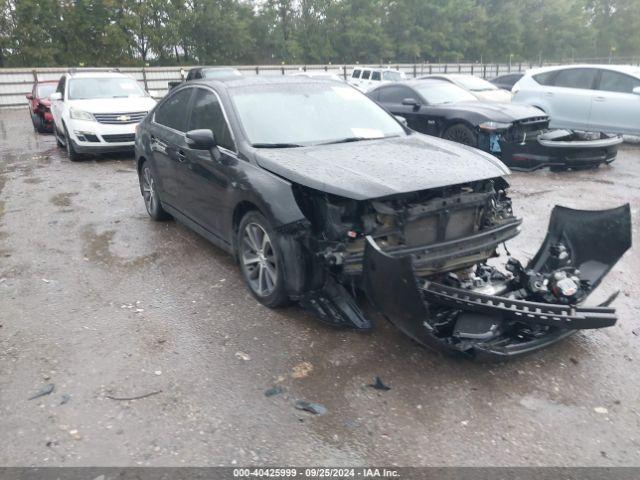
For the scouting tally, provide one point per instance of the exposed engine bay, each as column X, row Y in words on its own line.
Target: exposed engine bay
column 429, row 262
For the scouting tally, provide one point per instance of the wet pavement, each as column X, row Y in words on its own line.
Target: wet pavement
column 105, row 304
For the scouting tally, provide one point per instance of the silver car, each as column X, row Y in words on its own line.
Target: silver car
column 603, row 98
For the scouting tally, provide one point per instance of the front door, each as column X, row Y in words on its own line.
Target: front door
column 209, row 172
column 615, row 108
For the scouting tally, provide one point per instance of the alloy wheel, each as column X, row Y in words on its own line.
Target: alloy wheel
column 259, row 260
column 148, row 190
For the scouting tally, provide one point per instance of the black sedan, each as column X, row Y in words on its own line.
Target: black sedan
column 517, row 134
column 318, row 192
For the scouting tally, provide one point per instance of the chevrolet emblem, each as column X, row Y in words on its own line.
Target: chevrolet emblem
column 124, row 118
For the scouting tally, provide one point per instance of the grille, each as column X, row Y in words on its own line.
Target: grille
column 119, row 118
column 527, row 129
column 125, row 137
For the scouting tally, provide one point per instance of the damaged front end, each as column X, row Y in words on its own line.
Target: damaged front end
column 491, row 314
column 529, row 144
column 427, row 261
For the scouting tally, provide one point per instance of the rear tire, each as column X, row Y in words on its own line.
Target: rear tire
column 460, row 133
column 261, row 261
column 39, row 124
column 148, row 187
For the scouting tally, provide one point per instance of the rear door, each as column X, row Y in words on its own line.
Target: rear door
column 168, row 142
column 208, row 171
column 615, row 109
column 568, row 96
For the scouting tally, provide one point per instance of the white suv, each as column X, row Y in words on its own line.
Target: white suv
column 603, row 98
column 366, row 78
column 96, row 112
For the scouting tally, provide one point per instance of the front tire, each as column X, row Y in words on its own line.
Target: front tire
column 261, row 261
column 461, row 133
column 148, row 186
column 74, row 156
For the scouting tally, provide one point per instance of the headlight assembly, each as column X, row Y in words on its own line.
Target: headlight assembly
column 80, row 115
column 494, row 126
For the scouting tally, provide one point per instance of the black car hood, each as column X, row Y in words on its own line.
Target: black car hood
column 379, row 168
column 496, row 111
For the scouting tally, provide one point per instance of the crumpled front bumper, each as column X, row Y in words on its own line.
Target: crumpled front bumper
column 559, row 149
column 485, row 325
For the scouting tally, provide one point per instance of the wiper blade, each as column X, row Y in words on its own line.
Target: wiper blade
column 275, row 145
column 350, row 139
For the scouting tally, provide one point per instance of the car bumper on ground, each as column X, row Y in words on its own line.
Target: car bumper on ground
column 560, row 149
column 94, row 137
column 496, row 326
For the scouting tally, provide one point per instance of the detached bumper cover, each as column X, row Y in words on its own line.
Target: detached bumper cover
column 560, row 148
column 490, row 327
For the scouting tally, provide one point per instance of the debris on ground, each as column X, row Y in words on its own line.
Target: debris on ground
column 65, row 398
column 46, row 390
column 270, row 392
column 75, row 434
column 302, row 370
column 573, row 360
column 110, row 397
column 379, row 385
column 602, row 410
column 636, row 331
column 315, row 408
column 243, row 356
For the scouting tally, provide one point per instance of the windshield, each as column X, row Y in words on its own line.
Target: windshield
column 104, row 87
column 436, row 93
column 294, row 114
column 475, row 84
column 392, row 76
column 46, row 89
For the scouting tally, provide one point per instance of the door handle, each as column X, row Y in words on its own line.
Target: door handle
column 181, row 156
column 548, row 94
column 599, row 99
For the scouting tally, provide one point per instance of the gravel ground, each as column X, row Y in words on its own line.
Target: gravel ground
column 102, row 302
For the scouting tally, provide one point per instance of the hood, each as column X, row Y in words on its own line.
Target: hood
column 114, row 105
column 379, row 168
column 500, row 95
column 497, row 111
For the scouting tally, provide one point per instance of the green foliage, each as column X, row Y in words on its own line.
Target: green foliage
column 160, row 32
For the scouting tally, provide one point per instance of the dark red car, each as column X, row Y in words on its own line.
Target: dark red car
column 40, row 105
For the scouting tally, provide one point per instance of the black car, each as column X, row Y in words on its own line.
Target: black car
column 507, row 81
column 517, row 134
column 214, row 73
column 318, row 192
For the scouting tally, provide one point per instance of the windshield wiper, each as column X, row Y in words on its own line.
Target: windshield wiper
column 350, row 139
column 275, row 145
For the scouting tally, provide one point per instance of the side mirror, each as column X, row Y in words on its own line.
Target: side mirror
column 636, row 90
column 411, row 102
column 202, row 139
column 29, row 96
column 402, row 120
column 55, row 96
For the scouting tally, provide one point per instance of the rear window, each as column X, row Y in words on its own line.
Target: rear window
column 544, row 78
